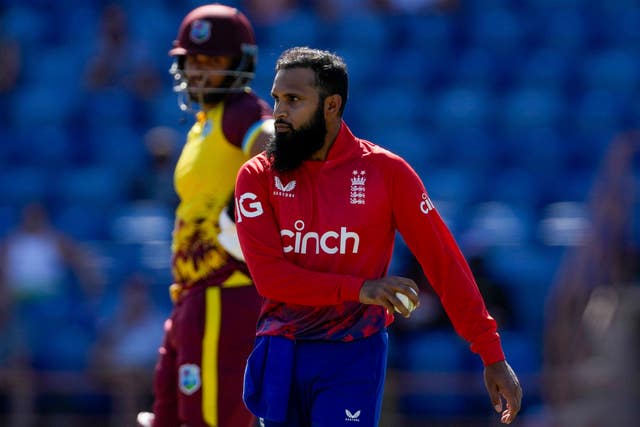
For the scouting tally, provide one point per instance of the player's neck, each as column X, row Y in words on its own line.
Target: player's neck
column 332, row 133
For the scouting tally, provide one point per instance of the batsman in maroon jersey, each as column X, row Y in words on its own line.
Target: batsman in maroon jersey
column 198, row 377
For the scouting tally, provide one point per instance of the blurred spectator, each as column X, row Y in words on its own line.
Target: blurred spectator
column 430, row 314
column 609, row 258
column 113, row 65
column 104, row 69
column 13, row 349
column 10, row 64
column 494, row 293
column 35, row 262
column 127, row 346
column 417, row 6
column 331, row 10
column 163, row 146
column 128, row 337
column 16, row 382
column 35, row 258
column 269, row 13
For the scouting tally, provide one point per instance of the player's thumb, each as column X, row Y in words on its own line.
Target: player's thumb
column 494, row 395
column 496, row 401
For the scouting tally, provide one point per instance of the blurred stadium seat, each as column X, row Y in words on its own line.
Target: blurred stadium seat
column 527, row 108
column 496, row 223
column 528, row 270
column 471, row 106
column 301, row 25
column 435, row 357
column 362, row 28
column 120, row 148
column 96, row 186
column 614, row 70
column 140, row 222
column 41, row 104
column 83, row 222
column 498, row 30
column 564, row 223
column 21, row 185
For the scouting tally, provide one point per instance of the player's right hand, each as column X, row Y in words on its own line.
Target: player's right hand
column 382, row 292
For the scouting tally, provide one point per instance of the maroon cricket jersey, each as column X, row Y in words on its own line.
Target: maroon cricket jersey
column 311, row 237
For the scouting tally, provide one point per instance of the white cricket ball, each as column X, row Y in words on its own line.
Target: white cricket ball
column 406, row 301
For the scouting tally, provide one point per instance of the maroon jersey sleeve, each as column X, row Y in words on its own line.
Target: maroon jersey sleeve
column 276, row 277
column 241, row 113
column 432, row 243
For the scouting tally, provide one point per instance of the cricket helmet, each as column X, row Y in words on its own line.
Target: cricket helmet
column 215, row 30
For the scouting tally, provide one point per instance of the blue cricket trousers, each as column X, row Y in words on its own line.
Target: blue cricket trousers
column 316, row 383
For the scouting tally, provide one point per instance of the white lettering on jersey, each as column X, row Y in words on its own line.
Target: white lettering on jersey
column 330, row 242
column 248, row 210
column 426, row 205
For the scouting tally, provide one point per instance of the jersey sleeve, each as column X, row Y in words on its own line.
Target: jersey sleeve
column 245, row 117
column 276, row 277
column 430, row 240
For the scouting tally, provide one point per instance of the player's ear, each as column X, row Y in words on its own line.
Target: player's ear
column 332, row 104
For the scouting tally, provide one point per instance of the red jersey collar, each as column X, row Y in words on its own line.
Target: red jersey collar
column 341, row 149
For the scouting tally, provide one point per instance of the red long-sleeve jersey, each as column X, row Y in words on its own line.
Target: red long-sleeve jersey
column 311, row 237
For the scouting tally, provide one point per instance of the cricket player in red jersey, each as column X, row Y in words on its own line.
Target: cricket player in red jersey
column 316, row 216
column 199, row 375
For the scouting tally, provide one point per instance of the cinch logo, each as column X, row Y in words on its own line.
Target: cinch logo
column 426, row 205
column 330, row 242
column 284, row 190
column 355, row 417
column 246, row 209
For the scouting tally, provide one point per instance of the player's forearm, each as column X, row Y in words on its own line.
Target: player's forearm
column 281, row 280
column 452, row 279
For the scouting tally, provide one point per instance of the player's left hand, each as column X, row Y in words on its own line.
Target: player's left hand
column 502, row 383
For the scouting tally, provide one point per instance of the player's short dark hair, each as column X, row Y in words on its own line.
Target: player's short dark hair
column 330, row 69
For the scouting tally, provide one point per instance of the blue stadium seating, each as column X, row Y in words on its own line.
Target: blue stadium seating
column 496, row 224
column 120, row 148
column 528, row 270
column 498, row 29
column 21, row 185
column 362, row 28
column 83, row 222
column 96, row 186
column 8, row 219
column 614, row 70
column 526, row 108
column 565, row 30
column 42, row 104
column 302, row 26
column 474, row 68
column 141, row 222
column 48, row 147
column 471, row 106
column 437, row 353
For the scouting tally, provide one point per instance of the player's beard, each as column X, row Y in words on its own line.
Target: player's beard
column 207, row 98
column 200, row 95
column 288, row 150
